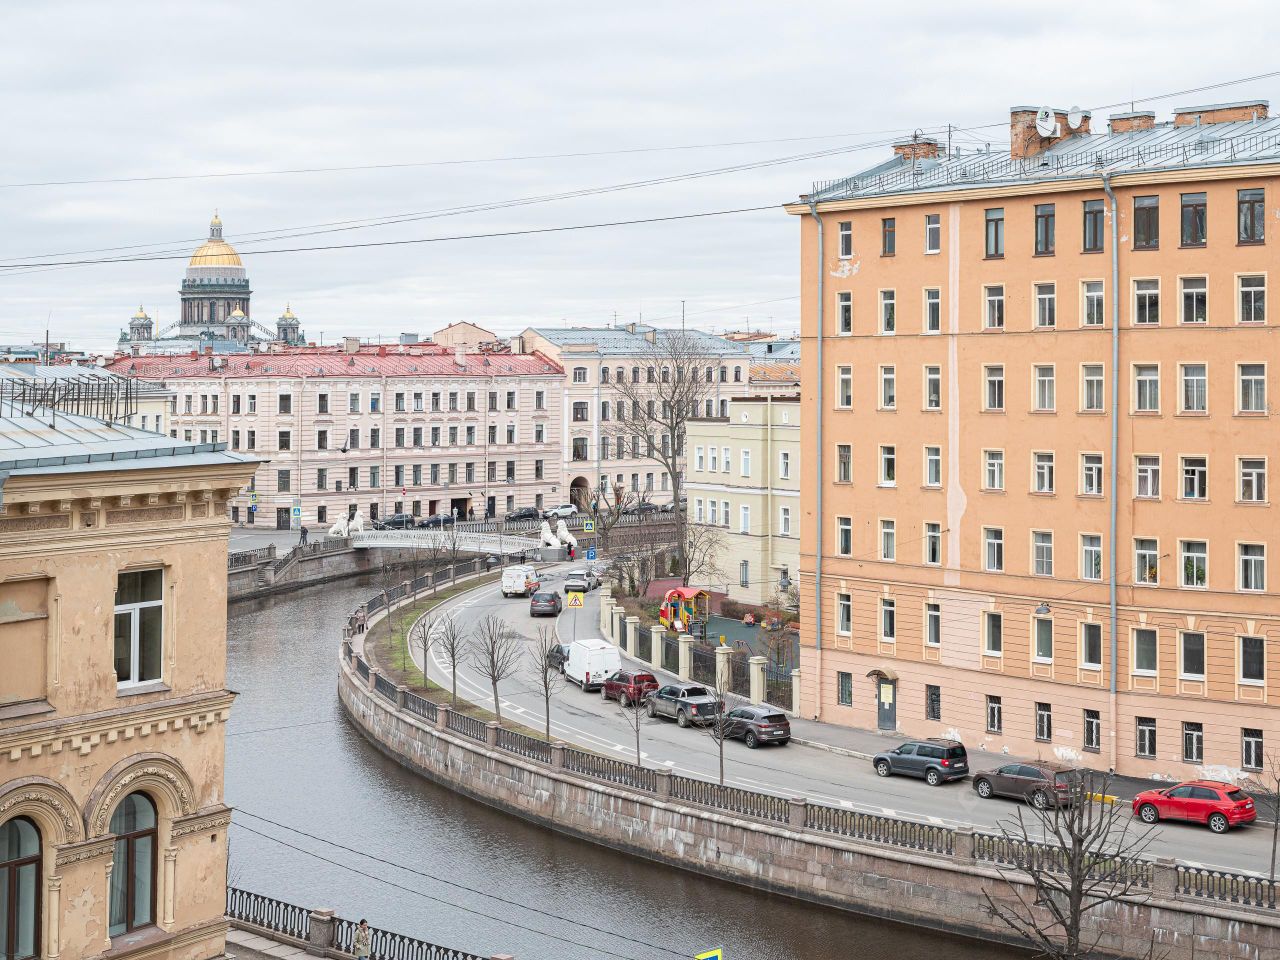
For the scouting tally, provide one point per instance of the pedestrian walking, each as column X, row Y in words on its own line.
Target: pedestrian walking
column 302, row 537
column 360, row 942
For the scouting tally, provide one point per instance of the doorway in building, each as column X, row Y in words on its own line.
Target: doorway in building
column 886, row 685
column 580, row 493
column 458, row 507
column 282, row 518
column 490, row 507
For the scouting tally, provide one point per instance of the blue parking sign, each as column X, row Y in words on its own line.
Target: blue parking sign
column 591, row 553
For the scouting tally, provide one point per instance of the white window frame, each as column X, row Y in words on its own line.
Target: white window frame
column 992, row 469
column 932, row 543
column 1184, row 554
column 889, row 541
column 1257, row 392
column 932, row 466
column 1085, row 662
column 1091, row 474
column 1252, row 290
column 134, row 612
column 784, row 521
column 844, row 313
column 1093, row 303
column 1045, row 390
column 1046, row 306
column 1134, row 669
column 845, row 234
column 1146, row 561
column 1090, row 383
column 1256, row 564
column 888, row 459
column 1086, row 550
column 844, row 536
column 1043, row 470
column 1042, row 553
column 1256, row 475
column 993, row 307
column 1201, row 388
column 993, row 549
column 1146, row 385
column 844, row 387
column 1183, row 290
column 993, row 380
column 888, row 387
column 888, row 620
column 931, row 304
column 1182, row 654
column 933, row 233
column 932, row 375
column 888, row 311
column 844, row 614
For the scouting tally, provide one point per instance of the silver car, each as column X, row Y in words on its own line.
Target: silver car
column 587, row 577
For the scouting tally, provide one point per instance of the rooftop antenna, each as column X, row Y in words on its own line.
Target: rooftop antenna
column 681, row 316
column 948, row 139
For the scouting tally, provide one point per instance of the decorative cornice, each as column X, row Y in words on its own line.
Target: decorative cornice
column 160, row 771
column 88, row 850
column 47, row 796
column 201, row 822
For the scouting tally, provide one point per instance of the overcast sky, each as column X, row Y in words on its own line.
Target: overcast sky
column 140, row 90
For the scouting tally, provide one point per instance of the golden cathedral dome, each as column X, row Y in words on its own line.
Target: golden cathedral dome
column 215, row 252
column 288, row 314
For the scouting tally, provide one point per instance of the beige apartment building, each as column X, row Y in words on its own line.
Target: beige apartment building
column 113, row 699
column 596, row 455
column 743, row 476
column 1036, row 471
column 375, row 430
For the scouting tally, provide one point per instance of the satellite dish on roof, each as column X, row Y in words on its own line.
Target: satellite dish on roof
column 1046, row 125
column 1075, row 117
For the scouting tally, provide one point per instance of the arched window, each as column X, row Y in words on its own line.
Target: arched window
column 619, row 375
column 19, row 889
column 133, row 865
column 666, row 374
column 604, row 374
column 737, row 374
column 652, row 376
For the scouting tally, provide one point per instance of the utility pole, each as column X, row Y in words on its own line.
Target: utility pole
column 682, row 316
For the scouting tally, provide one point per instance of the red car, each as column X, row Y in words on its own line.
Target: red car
column 1220, row 805
column 628, row 688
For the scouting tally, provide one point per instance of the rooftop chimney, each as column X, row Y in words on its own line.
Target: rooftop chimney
column 1025, row 140
column 350, row 344
column 382, row 350
column 1220, row 113
column 1129, row 122
column 922, row 148
column 459, row 356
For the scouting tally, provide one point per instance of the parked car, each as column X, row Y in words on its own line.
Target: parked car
column 1042, row 783
column 573, row 584
column 562, row 512
column 440, row 520
column 591, row 661
column 1219, row 805
column 586, row 575
column 558, row 656
column 686, row 703
column 670, row 506
column 644, row 508
column 524, row 513
column 937, row 761
column 757, row 724
column 545, row 603
column 519, row 580
column 628, row 687
column 397, row 521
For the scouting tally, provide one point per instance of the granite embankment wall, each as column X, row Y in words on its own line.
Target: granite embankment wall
column 915, row 873
column 260, row 573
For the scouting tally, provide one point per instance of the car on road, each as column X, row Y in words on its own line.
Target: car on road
column 756, row 725
column 642, row 509
column 937, row 761
column 1218, row 805
column 592, row 660
column 563, row 512
column 397, row 521
column 558, row 656
column 628, row 687
column 1041, row 783
column 524, row 513
column 586, row 575
column 670, row 505
column 440, row 520
column 573, row 584
column 686, row 703
column 545, row 603
column 519, row 580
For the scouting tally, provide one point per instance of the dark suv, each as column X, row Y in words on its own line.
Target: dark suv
column 937, row 761
column 397, row 521
column 1042, row 783
column 756, row 725
column 558, row 656
column 686, row 703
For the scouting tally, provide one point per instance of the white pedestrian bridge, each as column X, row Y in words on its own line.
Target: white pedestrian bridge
column 444, row 541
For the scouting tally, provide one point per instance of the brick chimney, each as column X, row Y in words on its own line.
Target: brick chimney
column 1025, row 140
column 1130, row 122
column 922, row 148
column 1220, row 113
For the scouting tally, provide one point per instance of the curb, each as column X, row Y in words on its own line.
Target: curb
column 840, row 751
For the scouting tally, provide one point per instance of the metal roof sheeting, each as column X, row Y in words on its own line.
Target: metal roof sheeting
column 612, row 341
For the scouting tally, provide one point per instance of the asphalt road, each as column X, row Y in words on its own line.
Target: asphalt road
column 584, row 719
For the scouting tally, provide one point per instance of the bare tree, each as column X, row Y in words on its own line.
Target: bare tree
column 633, row 714
column 607, row 509
column 1077, row 856
column 427, row 554
column 421, row 638
column 495, row 653
column 388, row 577
column 545, row 666
column 451, row 545
column 454, row 644
column 719, row 726
column 700, row 559
column 1267, row 780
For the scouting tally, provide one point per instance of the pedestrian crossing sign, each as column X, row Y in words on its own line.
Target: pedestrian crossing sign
column 575, row 600
column 588, row 526
column 716, row 954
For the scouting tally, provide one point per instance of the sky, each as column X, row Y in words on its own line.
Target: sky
column 465, row 105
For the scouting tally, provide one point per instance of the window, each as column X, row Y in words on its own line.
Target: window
column 1253, row 388
column 932, row 310
column 20, row 863
column 1192, row 742
column 1091, row 474
column 1250, row 216
column 1146, row 736
column 888, row 540
column 993, row 538
column 1195, row 300
column 888, row 237
column 744, row 518
column 579, row 448
column 1045, row 399
column 1092, row 731
column 994, row 314
column 1253, row 566
column 933, row 388
column 846, row 239
column 285, row 403
column 1146, row 561
column 1094, row 399
column 375, row 477
column 844, row 311
column 844, row 688
column 1091, row 645
column 1147, row 477
column 844, row 536
column 353, row 438
column 994, row 235
column 994, row 379
column 1195, row 478
column 1195, row 387
column 132, row 890
column 1044, row 721
column 844, row 463
column 995, row 715
column 1146, row 223
column 888, row 466
column 1253, row 480
column 1194, row 207
column 744, row 574
column 235, row 403
column 1094, row 312
column 1251, row 748
column 1091, row 556
column 1191, row 664
column 933, row 466
column 1094, row 215
column 993, row 475
column 888, row 621
column 322, row 478
column 1043, row 633
column 933, row 543
column 1253, row 299
column 1044, row 229
column 1145, row 651
column 1253, row 659
column 744, row 463
column 844, row 613
column 139, row 626
column 1043, row 472
column 933, row 624
column 579, row 374
column 932, row 702
column 888, row 310
column 932, row 233
column 250, row 441
column 1195, row 562
column 1146, row 295
column 844, row 387
column 1146, row 378
column 322, row 440
column 888, row 388
column 1042, row 553
column 784, row 465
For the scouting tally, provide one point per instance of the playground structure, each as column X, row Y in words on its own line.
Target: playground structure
column 685, row 609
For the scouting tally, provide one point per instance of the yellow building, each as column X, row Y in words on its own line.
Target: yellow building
column 113, row 698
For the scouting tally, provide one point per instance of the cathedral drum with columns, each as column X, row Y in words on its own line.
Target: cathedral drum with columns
column 215, row 291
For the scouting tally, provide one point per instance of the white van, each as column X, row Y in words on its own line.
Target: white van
column 519, row 581
column 591, row 661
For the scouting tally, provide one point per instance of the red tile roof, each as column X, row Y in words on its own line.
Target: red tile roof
column 422, row 362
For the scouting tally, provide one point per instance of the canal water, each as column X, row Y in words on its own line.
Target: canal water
column 421, row 860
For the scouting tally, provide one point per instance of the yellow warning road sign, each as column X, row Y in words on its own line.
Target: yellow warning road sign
column 575, row 600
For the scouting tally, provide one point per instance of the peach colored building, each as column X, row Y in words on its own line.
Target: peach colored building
column 1036, row 495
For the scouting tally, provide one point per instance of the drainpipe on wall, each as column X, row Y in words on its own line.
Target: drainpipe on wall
column 817, row 467
column 1115, row 445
